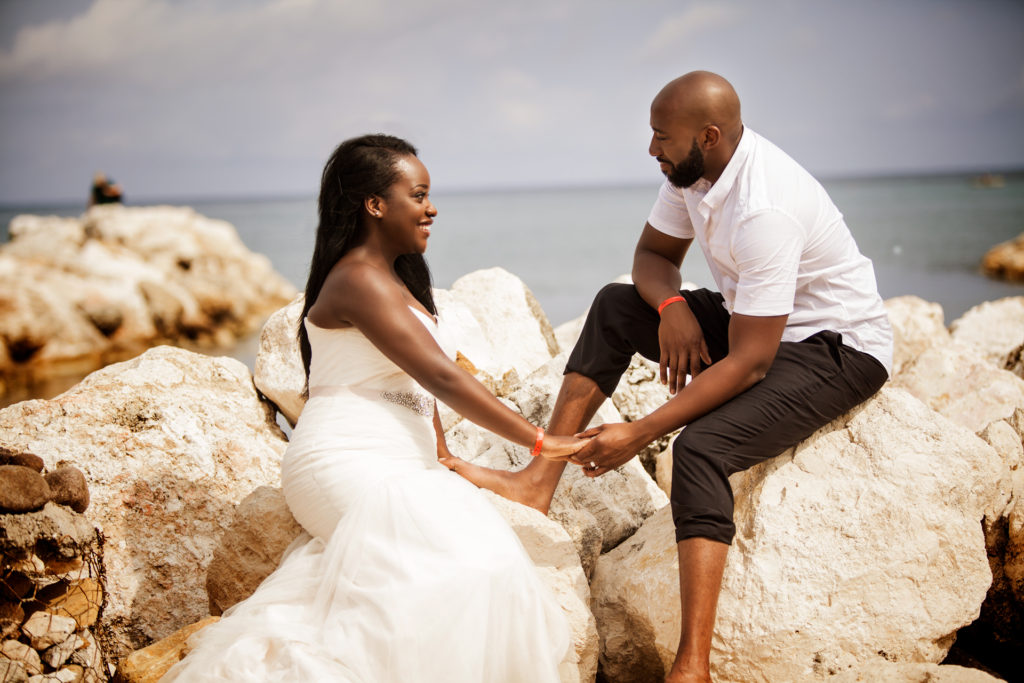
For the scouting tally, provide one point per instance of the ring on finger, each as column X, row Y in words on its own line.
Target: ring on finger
column 593, row 465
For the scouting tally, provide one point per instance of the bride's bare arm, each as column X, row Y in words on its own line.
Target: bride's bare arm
column 363, row 295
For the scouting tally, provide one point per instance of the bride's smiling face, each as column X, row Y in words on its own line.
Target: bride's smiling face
column 407, row 212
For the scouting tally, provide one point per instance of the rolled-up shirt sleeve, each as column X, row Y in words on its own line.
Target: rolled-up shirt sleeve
column 767, row 249
column 669, row 214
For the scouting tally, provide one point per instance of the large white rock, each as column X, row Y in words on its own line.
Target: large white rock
column 262, row 529
column 995, row 329
column 82, row 292
column 638, row 394
column 278, row 372
column 169, row 443
column 882, row 671
column 864, row 539
column 1002, row 615
column 963, row 386
column 916, row 325
column 512, row 323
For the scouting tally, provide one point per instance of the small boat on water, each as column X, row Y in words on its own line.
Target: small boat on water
column 989, row 180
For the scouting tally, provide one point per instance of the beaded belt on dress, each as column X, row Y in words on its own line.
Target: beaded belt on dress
column 416, row 401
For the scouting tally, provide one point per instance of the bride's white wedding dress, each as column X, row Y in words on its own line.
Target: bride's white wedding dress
column 406, row 572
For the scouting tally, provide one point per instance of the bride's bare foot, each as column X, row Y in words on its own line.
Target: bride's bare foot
column 517, row 486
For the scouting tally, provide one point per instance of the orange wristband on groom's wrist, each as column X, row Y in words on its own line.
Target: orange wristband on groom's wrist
column 670, row 300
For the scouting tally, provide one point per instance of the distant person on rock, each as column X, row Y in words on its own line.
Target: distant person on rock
column 796, row 335
column 105, row 190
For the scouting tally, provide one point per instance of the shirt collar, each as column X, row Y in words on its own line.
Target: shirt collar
column 720, row 190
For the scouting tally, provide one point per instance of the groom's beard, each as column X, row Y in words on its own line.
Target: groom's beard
column 689, row 170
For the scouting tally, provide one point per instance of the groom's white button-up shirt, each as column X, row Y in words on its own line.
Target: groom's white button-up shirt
column 777, row 245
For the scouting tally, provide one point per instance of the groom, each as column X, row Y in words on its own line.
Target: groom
column 796, row 336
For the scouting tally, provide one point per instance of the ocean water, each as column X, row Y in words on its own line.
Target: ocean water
column 925, row 236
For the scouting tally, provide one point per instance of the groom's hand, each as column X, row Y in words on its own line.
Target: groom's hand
column 610, row 446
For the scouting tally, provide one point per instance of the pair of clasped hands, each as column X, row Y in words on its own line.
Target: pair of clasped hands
column 611, row 445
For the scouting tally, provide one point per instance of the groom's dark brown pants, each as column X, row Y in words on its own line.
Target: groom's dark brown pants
column 810, row 383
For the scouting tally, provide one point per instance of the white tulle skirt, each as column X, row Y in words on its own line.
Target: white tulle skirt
column 406, row 572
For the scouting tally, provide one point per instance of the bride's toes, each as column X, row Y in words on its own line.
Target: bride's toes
column 452, row 463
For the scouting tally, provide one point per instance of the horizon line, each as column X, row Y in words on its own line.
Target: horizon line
column 178, row 200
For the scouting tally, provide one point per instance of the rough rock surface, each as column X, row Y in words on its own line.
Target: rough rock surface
column 150, row 663
column 815, row 582
column 963, row 386
column 916, row 326
column 251, row 548
column 80, row 292
column 639, row 393
column 1005, row 260
column 994, row 329
column 1002, row 615
column 68, row 487
column 22, row 489
column 917, row 672
column 506, row 310
column 51, row 594
column 169, row 442
column 278, row 372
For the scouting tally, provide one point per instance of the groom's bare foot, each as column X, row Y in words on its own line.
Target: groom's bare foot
column 517, row 486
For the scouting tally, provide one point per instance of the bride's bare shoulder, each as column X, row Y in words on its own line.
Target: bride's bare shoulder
column 351, row 287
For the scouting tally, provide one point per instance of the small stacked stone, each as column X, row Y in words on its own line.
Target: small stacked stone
column 51, row 587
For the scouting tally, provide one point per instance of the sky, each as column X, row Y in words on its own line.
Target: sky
column 180, row 99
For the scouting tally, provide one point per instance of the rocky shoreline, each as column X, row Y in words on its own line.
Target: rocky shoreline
column 1006, row 260
column 860, row 554
column 79, row 293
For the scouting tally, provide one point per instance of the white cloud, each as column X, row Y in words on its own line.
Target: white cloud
column 119, row 40
column 676, row 31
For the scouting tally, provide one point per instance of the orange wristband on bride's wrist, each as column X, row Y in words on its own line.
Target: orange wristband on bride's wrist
column 670, row 300
column 539, row 443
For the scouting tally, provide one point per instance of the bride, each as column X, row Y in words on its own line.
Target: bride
column 405, row 572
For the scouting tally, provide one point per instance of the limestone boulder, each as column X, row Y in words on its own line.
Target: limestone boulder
column 567, row 333
column 150, row 663
column 251, row 549
column 78, row 293
column 1005, row 260
column 1002, row 615
column 916, row 326
column 863, row 541
column 278, row 371
column 169, row 443
column 513, row 325
column 882, row 671
column 962, row 385
column 639, row 393
column 995, row 330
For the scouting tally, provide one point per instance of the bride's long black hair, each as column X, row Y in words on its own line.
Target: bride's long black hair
column 358, row 168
